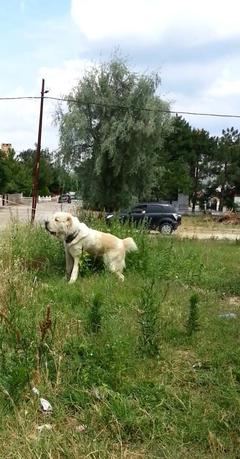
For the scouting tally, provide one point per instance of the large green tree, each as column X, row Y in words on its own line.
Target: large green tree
column 112, row 133
column 172, row 172
column 4, row 173
column 225, row 167
column 16, row 173
column 53, row 176
column 186, row 158
column 26, row 161
column 200, row 157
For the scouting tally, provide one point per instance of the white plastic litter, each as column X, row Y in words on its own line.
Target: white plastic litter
column 45, row 405
column 80, row 428
column 201, row 366
column 44, row 427
column 228, row 315
column 197, row 365
column 35, row 391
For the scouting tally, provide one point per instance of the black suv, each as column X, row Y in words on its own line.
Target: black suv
column 64, row 198
column 156, row 216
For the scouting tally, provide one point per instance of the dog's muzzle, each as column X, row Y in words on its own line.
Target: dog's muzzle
column 46, row 227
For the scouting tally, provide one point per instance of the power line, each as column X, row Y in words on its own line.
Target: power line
column 124, row 107
column 20, row 98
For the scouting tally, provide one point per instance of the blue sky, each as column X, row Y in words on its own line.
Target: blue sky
column 194, row 45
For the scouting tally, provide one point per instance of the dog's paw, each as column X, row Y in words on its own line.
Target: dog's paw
column 71, row 281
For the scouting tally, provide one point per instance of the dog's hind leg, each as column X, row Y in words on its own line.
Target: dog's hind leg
column 119, row 275
column 115, row 264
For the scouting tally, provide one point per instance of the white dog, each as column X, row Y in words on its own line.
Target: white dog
column 78, row 237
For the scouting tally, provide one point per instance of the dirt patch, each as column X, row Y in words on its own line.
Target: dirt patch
column 234, row 301
column 230, row 218
column 202, row 233
column 231, row 302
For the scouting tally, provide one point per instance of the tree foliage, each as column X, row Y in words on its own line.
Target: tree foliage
column 225, row 167
column 113, row 132
column 4, row 172
column 175, row 161
column 16, row 173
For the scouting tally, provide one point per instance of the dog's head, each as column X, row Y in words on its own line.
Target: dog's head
column 66, row 227
column 60, row 225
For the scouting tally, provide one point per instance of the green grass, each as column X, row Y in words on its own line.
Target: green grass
column 124, row 376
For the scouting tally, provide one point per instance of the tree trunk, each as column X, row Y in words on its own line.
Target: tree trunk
column 194, row 200
column 221, row 202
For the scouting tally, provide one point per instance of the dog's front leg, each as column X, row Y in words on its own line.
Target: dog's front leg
column 75, row 270
column 69, row 262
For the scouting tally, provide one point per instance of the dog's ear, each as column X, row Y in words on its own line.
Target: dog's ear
column 69, row 220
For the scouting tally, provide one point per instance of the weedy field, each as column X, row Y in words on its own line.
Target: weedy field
column 148, row 368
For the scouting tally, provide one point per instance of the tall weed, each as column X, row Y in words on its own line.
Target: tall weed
column 149, row 322
column 33, row 247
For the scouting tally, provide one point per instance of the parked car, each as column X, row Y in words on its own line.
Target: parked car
column 156, row 216
column 64, row 198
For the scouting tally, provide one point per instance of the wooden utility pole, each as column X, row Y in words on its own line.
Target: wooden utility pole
column 35, row 182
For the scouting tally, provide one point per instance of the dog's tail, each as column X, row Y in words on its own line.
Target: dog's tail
column 129, row 244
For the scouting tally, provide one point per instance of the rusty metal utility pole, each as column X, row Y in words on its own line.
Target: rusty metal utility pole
column 35, row 182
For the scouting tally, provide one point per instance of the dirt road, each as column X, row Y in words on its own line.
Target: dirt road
column 46, row 209
column 205, row 233
column 23, row 212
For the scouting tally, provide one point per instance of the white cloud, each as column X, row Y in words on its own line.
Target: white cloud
column 19, row 121
column 19, row 118
column 108, row 18
column 60, row 80
column 202, row 102
column 152, row 20
column 227, row 84
column 223, row 78
column 206, row 87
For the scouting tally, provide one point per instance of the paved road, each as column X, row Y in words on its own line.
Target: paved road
column 46, row 209
column 23, row 212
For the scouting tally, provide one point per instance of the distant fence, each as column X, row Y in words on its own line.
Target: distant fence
column 16, row 199
column 44, row 198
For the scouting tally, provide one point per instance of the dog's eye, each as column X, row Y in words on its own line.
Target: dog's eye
column 57, row 219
